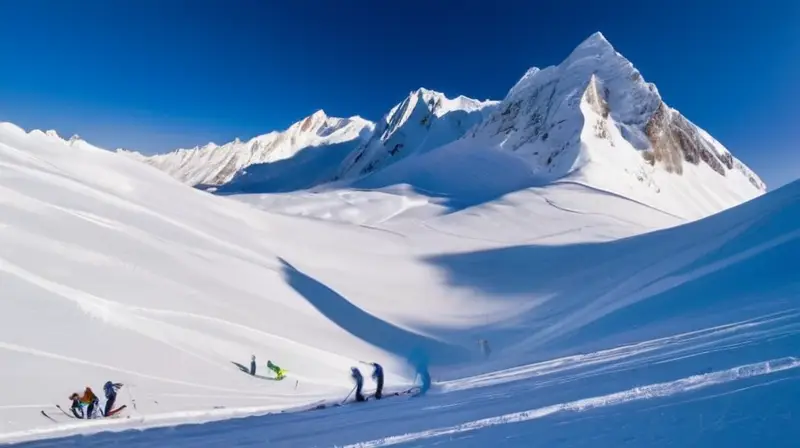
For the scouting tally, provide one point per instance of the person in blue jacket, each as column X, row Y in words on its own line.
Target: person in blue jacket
column 110, row 389
column 377, row 375
column 356, row 375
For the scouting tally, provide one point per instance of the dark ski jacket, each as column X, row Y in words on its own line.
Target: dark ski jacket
column 110, row 389
column 377, row 374
column 356, row 374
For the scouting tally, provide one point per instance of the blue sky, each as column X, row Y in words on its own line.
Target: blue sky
column 154, row 75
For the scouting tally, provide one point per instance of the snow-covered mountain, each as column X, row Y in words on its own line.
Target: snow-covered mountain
column 423, row 121
column 593, row 119
column 215, row 165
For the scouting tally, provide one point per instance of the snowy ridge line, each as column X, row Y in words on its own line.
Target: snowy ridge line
column 620, row 353
column 657, row 390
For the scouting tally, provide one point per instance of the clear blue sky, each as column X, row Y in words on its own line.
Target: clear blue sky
column 154, row 75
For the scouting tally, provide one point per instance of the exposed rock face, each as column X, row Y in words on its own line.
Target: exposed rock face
column 675, row 140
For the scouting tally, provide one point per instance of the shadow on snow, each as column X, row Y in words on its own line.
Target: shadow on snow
column 415, row 348
column 714, row 271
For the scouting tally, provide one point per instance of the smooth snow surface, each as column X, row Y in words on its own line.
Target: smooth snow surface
column 611, row 322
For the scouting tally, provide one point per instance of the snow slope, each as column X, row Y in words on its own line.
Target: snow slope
column 113, row 270
column 604, row 330
column 213, row 165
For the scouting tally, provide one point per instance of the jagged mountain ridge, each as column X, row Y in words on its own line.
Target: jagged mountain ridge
column 594, row 119
column 591, row 119
column 216, row 165
column 423, row 121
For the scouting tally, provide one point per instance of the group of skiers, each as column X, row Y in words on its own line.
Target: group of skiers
column 90, row 401
column 377, row 376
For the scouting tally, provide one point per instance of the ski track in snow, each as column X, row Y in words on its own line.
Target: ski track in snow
column 690, row 340
column 658, row 390
column 602, row 362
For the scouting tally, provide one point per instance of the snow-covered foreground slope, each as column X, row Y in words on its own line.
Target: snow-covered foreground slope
column 213, row 165
column 111, row 270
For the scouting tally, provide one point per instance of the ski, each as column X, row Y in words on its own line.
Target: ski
column 65, row 412
column 47, row 416
column 110, row 414
column 113, row 412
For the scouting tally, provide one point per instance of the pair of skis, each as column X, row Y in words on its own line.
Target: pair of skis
column 111, row 413
column 414, row 391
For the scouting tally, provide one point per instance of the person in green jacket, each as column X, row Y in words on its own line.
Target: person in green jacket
column 279, row 373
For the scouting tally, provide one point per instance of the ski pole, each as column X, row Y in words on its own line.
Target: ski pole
column 348, row 395
column 130, row 395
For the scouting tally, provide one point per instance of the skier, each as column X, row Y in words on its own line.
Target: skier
column 253, row 365
column 280, row 373
column 484, row 344
column 76, row 408
column 78, row 401
column 425, row 376
column 110, row 389
column 377, row 375
column 356, row 374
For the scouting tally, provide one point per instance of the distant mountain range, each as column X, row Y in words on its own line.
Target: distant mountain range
column 592, row 119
